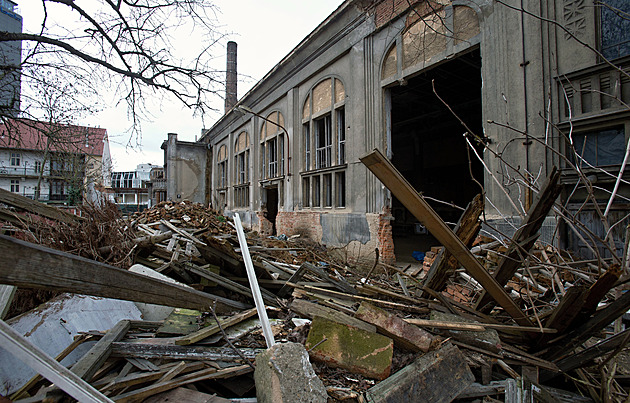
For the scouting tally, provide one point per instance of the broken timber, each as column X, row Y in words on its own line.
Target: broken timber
column 525, row 237
column 415, row 203
column 42, row 267
column 35, row 207
column 445, row 263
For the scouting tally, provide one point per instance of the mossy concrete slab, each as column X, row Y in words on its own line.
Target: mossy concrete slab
column 350, row 348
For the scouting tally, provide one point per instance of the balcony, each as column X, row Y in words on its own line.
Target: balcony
column 19, row 171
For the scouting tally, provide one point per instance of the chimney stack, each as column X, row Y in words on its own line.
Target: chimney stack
column 230, row 77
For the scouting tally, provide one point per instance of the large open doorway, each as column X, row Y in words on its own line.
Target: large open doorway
column 429, row 148
column 271, row 207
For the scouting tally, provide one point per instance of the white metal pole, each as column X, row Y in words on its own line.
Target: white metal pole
column 253, row 282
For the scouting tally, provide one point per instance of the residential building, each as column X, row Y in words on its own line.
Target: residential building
column 156, row 185
column 54, row 163
column 130, row 189
column 10, row 59
column 459, row 95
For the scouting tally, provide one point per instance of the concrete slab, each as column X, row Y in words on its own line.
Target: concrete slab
column 284, row 375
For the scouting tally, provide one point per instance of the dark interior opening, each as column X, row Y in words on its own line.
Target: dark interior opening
column 272, row 206
column 429, row 148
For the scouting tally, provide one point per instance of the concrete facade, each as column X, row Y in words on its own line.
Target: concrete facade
column 187, row 167
column 523, row 83
column 10, row 60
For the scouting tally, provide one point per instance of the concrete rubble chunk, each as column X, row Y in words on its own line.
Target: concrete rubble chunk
column 487, row 339
column 438, row 376
column 284, row 375
column 405, row 335
column 350, row 348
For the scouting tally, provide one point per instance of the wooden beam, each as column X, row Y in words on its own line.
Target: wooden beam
column 415, row 203
column 476, row 327
column 45, row 365
column 6, row 297
column 189, row 353
column 525, row 237
column 32, row 206
column 28, row 265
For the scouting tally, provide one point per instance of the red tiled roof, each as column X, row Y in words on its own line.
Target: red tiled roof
column 26, row 134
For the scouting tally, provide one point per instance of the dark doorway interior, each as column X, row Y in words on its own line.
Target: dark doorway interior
column 428, row 146
column 272, row 206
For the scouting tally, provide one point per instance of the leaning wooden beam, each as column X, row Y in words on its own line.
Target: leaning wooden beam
column 32, row 206
column 37, row 359
column 525, row 237
column 445, row 263
column 415, row 203
column 41, row 267
column 6, row 297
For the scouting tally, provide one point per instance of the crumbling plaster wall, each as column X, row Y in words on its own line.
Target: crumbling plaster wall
column 186, row 170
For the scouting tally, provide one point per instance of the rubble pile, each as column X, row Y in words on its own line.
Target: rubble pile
column 395, row 334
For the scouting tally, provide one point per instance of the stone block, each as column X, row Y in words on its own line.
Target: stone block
column 437, row 377
column 405, row 335
column 350, row 348
column 284, row 375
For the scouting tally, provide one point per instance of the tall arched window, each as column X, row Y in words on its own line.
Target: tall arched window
column 241, row 170
column 324, row 145
column 272, row 146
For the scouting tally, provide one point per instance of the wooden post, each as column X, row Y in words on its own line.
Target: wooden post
column 415, row 203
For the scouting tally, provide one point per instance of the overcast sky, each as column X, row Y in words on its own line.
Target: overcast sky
column 265, row 32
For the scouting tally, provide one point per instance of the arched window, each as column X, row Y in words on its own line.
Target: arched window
column 241, row 170
column 222, row 163
column 324, row 145
column 272, row 146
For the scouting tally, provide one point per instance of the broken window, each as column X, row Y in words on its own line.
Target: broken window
column 615, row 28
column 324, row 152
column 272, row 146
column 241, row 170
column 601, row 148
column 222, row 168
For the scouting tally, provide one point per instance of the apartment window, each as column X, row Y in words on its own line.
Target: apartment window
column 128, row 178
column 15, row 159
column 601, row 148
column 15, row 186
column 272, row 146
column 615, row 28
column 241, row 170
column 324, row 134
column 38, row 166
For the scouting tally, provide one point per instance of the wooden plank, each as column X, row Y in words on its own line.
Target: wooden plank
column 139, row 378
column 210, row 330
column 340, row 284
column 445, row 263
column 268, row 297
column 295, row 278
column 525, row 237
column 203, row 375
column 568, row 309
column 438, row 377
column 45, row 365
column 93, row 359
column 476, row 327
column 41, row 267
column 579, row 335
column 6, row 297
column 32, row 206
column 310, row 310
column 415, row 203
column 146, row 350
